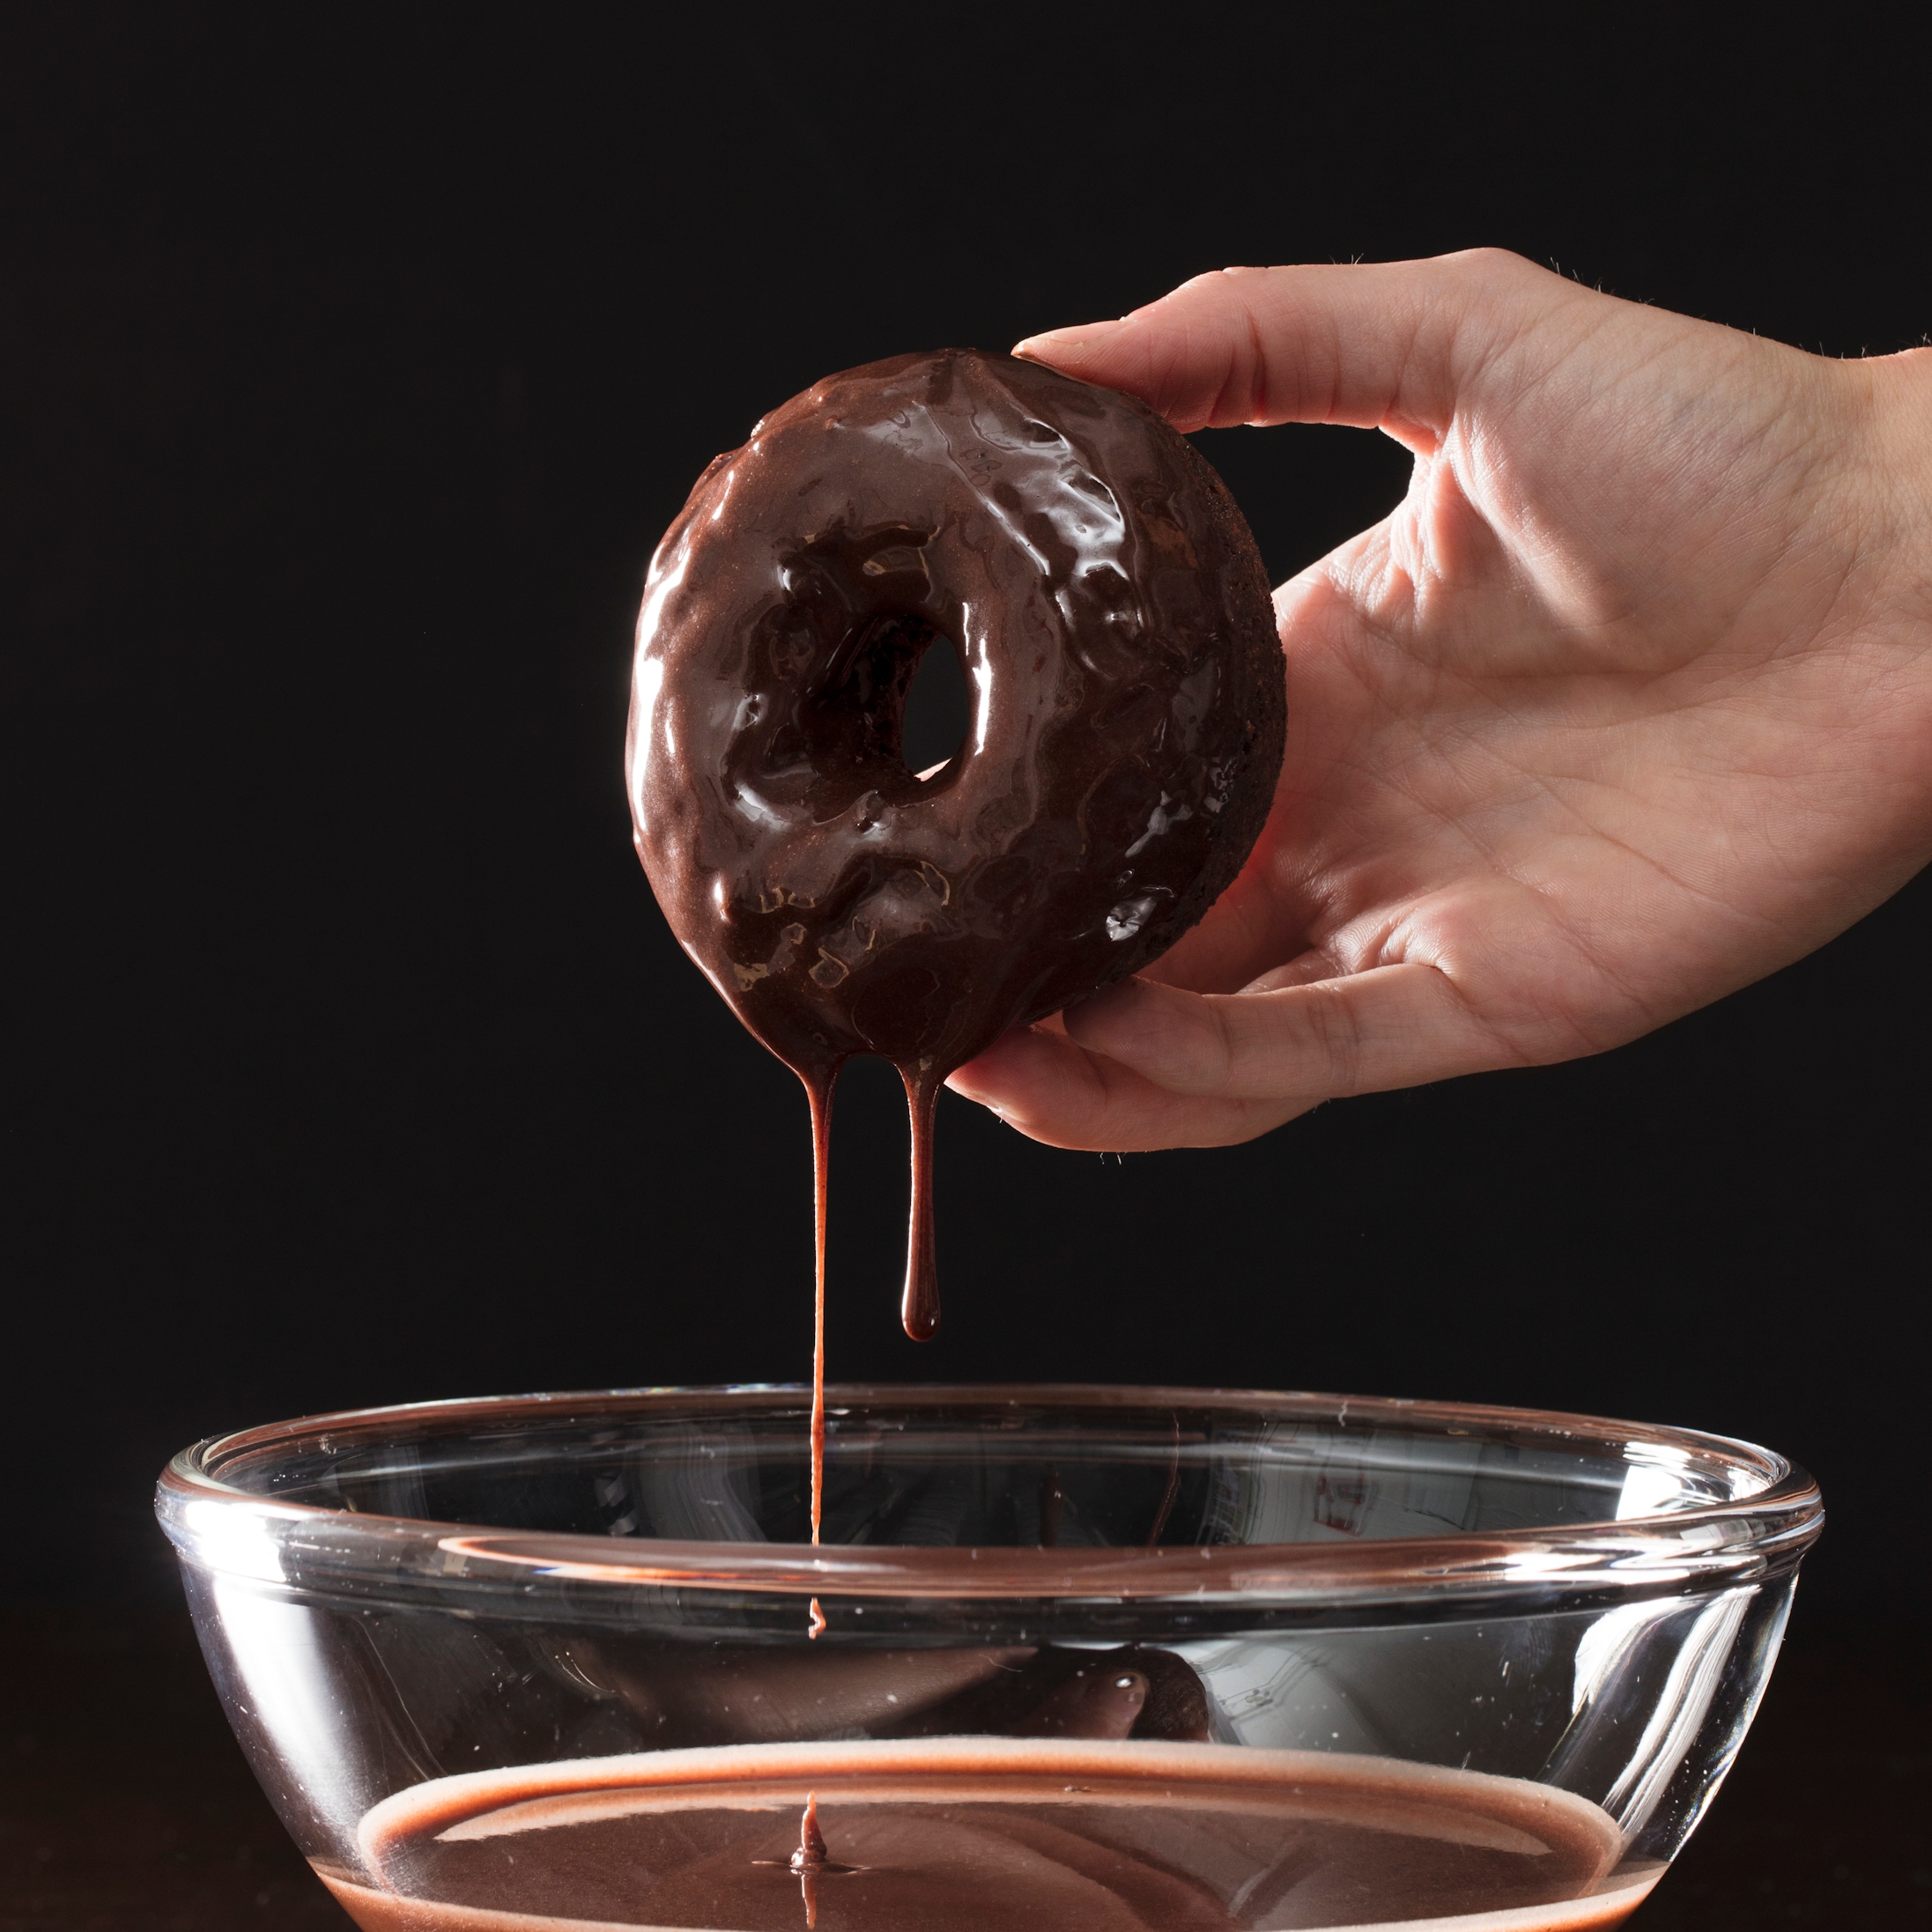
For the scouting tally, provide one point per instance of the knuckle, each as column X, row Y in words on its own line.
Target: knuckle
column 1490, row 263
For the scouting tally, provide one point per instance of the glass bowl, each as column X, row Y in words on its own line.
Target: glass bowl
column 1067, row 1656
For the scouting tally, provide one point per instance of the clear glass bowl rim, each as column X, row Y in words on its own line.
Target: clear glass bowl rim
column 1772, row 1516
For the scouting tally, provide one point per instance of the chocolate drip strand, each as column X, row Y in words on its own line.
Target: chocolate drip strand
column 819, row 1086
column 920, row 1308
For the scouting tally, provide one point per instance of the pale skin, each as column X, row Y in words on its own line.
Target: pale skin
column 1627, row 705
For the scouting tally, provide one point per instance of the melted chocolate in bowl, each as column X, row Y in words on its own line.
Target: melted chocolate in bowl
column 994, row 1834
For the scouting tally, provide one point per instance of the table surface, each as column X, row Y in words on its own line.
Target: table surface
column 126, row 1807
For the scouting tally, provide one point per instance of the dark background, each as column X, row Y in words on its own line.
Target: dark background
column 351, row 361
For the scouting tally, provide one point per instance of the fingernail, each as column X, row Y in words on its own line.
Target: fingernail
column 1076, row 337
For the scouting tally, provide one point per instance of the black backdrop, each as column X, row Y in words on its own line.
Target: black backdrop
column 352, row 361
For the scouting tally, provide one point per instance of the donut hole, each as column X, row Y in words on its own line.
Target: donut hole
column 888, row 717
column 938, row 709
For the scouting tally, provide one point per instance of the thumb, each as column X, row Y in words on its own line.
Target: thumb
column 1385, row 344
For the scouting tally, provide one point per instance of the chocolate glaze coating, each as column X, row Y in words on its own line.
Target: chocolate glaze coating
column 1113, row 620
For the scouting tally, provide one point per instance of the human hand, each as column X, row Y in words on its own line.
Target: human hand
column 1627, row 705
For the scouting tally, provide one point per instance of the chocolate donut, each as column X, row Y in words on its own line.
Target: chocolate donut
column 1113, row 620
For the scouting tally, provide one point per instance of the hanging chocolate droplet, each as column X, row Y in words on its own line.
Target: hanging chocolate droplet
column 919, row 1309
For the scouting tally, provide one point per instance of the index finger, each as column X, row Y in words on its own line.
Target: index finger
column 1374, row 346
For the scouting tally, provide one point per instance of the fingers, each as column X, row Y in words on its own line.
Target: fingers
column 1388, row 343
column 1391, row 1026
column 1145, row 1066
column 1039, row 1081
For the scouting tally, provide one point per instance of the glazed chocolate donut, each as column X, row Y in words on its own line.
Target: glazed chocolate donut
column 1113, row 620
